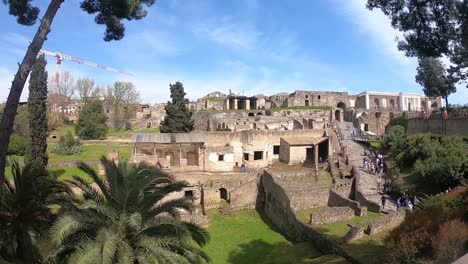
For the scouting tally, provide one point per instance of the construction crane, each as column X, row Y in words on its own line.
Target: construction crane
column 60, row 57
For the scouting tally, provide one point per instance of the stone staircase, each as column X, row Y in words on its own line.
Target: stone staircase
column 368, row 181
column 225, row 209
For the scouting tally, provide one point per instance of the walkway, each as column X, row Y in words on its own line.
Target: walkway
column 349, row 134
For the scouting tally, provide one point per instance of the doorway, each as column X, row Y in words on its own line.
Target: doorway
column 223, row 194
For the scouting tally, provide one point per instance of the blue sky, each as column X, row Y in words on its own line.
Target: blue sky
column 249, row 46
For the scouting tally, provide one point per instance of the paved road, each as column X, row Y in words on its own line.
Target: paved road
column 356, row 153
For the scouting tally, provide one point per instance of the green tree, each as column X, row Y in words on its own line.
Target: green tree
column 400, row 121
column 432, row 28
column 37, row 108
column 434, row 79
column 128, row 218
column 92, row 121
column 108, row 13
column 178, row 117
column 26, row 212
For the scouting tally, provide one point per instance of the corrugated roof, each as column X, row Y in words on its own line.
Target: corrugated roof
column 151, row 138
column 190, row 137
column 164, row 138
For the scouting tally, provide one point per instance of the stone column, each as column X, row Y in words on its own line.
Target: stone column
column 247, row 104
column 235, row 103
column 367, row 101
column 316, row 159
column 227, row 104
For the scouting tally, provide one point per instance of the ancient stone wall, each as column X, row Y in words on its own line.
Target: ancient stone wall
column 439, row 126
column 318, row 98
column 276, row 205
column 336, row 199
column 328, row 215
column 244, row 196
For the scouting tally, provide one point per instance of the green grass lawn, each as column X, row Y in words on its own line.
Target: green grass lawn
column 90, row 153
column 60, row 173
column 338, row 230
column 245, row 238
column 369, row 249
column 148, row 130
column 121, row 133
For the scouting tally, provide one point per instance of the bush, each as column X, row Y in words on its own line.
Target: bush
column 17, row 145
column 92, row 121
column 450, row 241
column 68, row 145
column 414, row 240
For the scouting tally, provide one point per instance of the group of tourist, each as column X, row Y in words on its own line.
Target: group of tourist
column 374, row 167
column 404, row 201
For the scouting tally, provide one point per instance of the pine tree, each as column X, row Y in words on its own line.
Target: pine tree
column 178, row 117
column 92, row 121
column 37, row 108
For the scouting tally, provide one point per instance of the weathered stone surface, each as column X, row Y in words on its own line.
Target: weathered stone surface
column 386, row 222
column 328, row 215
column 356, row 232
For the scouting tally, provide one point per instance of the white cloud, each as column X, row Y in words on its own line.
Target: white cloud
column 375, row 24
column 227, row 32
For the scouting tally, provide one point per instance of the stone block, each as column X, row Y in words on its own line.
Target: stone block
column 331, row 215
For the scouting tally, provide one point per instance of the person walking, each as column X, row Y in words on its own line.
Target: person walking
column 384, row 200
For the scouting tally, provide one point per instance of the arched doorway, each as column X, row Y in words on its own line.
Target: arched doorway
column 341, row 105
column 337, row 115
column 377, row 103
column 392, row 104
column 223, row 194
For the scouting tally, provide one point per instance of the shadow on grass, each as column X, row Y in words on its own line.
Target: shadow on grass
column 57, row 173
column 259, row 251
column 367, row 250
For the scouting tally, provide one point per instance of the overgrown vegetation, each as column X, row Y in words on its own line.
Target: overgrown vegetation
column 17, row 145
column 68, row 145
column 437, row 231
column 440, row 161
column 399, row 121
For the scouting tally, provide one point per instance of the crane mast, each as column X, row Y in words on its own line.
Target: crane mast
column 60, row 57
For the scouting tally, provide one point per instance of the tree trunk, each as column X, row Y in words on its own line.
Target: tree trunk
column 446, row 102
column 8, row 118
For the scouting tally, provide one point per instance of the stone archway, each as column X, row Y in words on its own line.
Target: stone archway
column 338, row 115
column 341, row 105
column 223, row 194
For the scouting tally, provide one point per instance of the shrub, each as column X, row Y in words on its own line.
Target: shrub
column 17, row 145
column 450, row 241
column 92, row 121
column 68, row 145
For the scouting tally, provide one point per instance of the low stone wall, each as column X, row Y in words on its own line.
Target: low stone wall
column 386, row 222
column 359, row 196
column 328, row 215
column 244, row 196
column 276, row 205
column 375, row 226
column 453, row 126
column 337, row 199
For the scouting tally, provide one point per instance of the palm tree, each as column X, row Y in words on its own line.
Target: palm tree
column 127, row 218
column 26, row 211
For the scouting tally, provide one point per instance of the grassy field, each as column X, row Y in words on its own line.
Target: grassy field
column 60, row 173
column 91, row 153
column 148, row 130
column 245, row 238
column 370, row 249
